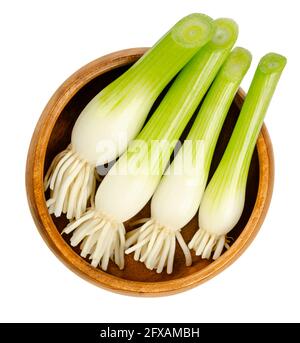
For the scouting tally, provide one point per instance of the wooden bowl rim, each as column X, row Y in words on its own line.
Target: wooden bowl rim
column 49, row 232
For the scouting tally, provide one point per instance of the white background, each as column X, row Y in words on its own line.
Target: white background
column 42, row 43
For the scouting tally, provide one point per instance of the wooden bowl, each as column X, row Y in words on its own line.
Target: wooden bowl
column 52, row 134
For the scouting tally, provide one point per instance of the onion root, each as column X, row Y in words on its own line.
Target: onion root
column 100, row 238
column 204, row 244
column 72, row 183
column 155, row 245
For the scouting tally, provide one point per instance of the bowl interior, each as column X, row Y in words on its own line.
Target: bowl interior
column 136, row 271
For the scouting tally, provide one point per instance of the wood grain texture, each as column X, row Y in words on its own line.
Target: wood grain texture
column 52, row 134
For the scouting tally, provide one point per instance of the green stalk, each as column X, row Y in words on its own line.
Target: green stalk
column 152, row 72
column 235, row 163
column 223, row 200
column 212, row 114
column 178, row 195
column 118, row 112
column 185, row 94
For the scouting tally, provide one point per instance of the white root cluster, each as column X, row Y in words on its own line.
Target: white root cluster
column 72, row 183
column 205, row 243
column 100, row 238
column 155, row 245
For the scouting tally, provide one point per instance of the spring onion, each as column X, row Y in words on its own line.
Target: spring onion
column 132, row 180
column 224, row 197
column 177, row 198
column 115, row 115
